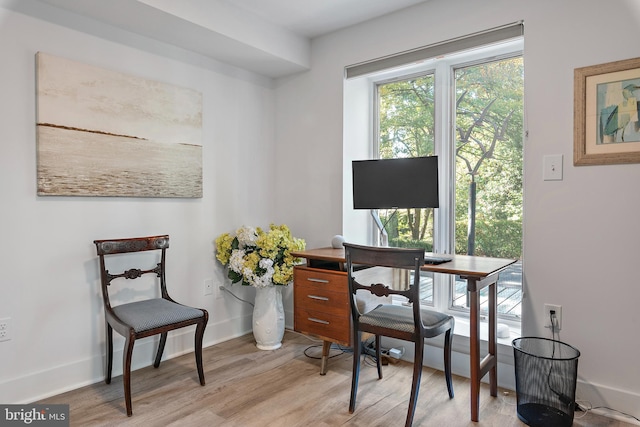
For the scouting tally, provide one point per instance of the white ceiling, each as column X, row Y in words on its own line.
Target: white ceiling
column 268, row 37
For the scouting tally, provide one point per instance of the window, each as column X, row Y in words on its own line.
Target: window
column 467, row 108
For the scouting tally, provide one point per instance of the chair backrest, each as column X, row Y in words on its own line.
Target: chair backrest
column 401, row 260
column 130, row 245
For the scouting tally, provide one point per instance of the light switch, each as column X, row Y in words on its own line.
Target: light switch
column 552, row 167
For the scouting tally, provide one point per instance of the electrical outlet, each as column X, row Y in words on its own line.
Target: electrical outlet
column 208, row 286
column 5, row 329
column 547, row 316
column 220, row 290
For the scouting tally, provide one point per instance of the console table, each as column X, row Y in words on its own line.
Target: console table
column 321, row 306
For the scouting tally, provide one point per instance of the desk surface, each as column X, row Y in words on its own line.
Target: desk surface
column 463, row 265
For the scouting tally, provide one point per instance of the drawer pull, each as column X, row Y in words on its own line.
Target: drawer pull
column 318, row 298
column 313, row 279
column 324, row 322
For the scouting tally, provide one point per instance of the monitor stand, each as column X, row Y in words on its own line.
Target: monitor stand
column 384, row 237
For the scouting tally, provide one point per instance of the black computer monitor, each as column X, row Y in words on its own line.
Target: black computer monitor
column 395, row 183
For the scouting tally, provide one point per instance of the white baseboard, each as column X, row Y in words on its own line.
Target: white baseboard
column 42, row 384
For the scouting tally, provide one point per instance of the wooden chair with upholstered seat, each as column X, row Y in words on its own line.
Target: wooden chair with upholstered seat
column 143, row 318
column 410, row 323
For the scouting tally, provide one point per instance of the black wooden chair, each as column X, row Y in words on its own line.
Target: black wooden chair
column 147, row 317
column 409, row 323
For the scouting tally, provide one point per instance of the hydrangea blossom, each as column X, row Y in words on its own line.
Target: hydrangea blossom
column 236, row 260
column 247, row 236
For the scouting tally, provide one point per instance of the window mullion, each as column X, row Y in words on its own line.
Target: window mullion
column 444, row 149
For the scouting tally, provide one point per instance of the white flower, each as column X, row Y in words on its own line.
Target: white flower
column 249, row 276
column 262, row 281
column 236, row 261
column 266, row 263
column 247, row 236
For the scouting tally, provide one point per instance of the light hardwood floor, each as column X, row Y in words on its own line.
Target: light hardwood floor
column 248, row 387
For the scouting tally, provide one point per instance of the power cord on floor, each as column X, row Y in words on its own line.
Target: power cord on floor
column 585, row 406
column 319, row 344
column 342, row 350
column 507, row 399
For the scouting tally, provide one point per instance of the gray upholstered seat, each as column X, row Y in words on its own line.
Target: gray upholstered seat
column 154, row 313
column 400, row 317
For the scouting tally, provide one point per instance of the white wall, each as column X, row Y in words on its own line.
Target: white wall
column 48, row 267
column 580, row 235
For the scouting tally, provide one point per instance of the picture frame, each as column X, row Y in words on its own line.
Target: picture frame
column 606, row 113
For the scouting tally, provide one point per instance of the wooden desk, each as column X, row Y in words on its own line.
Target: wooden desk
column 479, row 272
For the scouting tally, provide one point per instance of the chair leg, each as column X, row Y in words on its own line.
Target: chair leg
column 109, row 350
column 415, row 385
column 130, row 340
column 198, row 350
column 448, row 339
column 378, row 358
column 357, row 346
column 163, row 341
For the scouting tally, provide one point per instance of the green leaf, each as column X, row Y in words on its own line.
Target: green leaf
column 235, row 277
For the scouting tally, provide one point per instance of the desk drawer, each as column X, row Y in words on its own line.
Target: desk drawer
column 310, row 298
column 321, row 279
column 335, row 328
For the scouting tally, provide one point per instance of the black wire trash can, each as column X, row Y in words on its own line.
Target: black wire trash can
column 546, row 374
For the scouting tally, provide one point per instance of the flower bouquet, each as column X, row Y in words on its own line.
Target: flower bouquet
column 259, row 258
column 262, row 259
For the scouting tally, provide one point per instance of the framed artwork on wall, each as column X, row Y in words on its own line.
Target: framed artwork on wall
column 105, row 133
column 606, row 113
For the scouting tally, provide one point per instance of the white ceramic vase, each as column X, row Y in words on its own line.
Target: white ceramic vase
column 268, row 318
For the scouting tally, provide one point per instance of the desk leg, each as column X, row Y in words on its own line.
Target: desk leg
column 474, row 352
column 492, row 345
column 489, row 364
column 326, row 347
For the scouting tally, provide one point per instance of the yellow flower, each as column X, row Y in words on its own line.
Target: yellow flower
column 251, row 261
column 223, row 245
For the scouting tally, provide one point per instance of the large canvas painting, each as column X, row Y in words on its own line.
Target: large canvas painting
column 106, row 133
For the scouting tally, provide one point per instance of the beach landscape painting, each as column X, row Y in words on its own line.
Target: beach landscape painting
column 105, row 133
